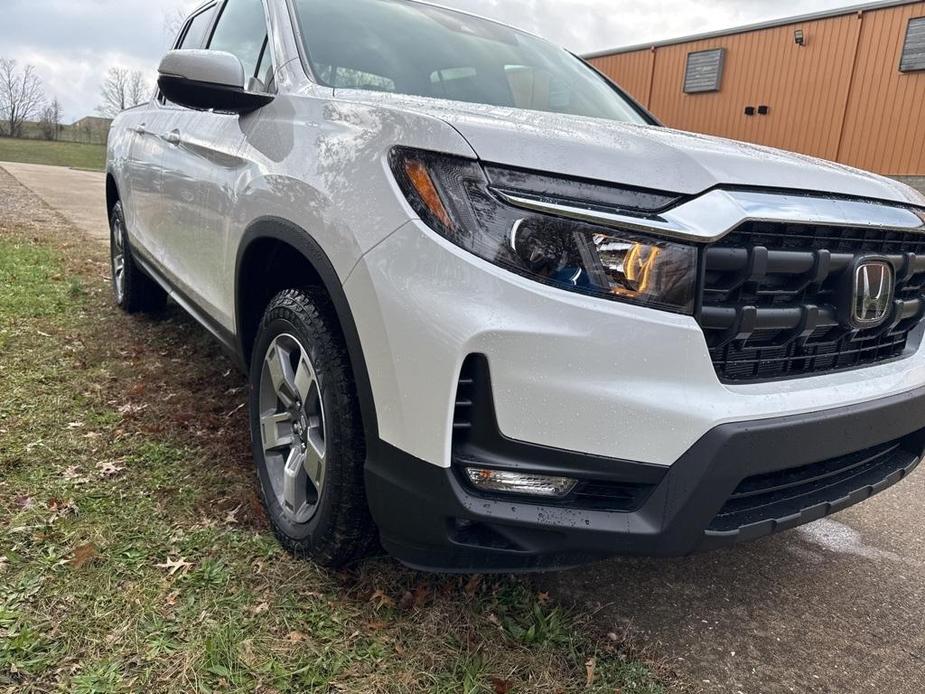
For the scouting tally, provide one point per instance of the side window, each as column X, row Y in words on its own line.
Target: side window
column 195, row 33
column 242, row 31
column 266, row 73
column 193, row 36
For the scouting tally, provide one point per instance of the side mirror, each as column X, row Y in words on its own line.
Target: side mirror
column 207, row 81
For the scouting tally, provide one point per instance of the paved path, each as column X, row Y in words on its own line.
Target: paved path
column 835, row 607
column 78, row 195
column 914, row 181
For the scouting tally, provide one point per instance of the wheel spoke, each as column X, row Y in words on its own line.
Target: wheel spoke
column 277, row 431
column 118, row 259
column 314, row 463
column 304, row 379
column 294, row 481
column 281, row 375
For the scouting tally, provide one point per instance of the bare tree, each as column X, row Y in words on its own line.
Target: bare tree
column 122, row 89
column 51, row 120
column 139, row 91
column 21, row 96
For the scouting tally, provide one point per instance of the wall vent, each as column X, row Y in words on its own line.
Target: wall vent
column 914, row 48
column 704, row 71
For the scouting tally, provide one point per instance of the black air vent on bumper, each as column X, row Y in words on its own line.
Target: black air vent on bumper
column 462, row 414
column 604, row 484
column 769, row 502
column 772, row 292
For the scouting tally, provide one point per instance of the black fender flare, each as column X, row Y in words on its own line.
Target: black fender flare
column 284, row 231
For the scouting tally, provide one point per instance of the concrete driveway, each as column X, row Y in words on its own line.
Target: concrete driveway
column 917, row 182
column 836, row 607
column 79, row 195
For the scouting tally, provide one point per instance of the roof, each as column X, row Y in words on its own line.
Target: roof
column 851, row 9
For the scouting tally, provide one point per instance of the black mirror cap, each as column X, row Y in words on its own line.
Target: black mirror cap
column 206, row 96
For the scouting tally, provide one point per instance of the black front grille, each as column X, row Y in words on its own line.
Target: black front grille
column 772, row 295
column 790, row 494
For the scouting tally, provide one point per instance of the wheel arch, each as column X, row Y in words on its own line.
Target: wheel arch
column 272, row 249
column 112, row 193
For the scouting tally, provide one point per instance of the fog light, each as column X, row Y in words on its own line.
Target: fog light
column 520, row 483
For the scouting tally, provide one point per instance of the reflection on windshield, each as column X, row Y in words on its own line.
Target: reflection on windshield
column 409, row 48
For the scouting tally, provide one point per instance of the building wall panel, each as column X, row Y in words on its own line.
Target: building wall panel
column 885, row 119
column 634, row 69
column 841, row 96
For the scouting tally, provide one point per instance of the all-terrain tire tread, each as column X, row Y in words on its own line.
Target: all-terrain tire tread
column 350, row 532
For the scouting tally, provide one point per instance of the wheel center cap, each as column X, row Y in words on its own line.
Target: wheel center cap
column 300, row 427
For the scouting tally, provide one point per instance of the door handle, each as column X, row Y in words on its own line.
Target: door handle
column 140, row 130
column 173, row 137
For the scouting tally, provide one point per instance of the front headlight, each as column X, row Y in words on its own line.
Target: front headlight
column 458, row 198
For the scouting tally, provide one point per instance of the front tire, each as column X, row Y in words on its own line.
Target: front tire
column 307, row 433
column 133, row 290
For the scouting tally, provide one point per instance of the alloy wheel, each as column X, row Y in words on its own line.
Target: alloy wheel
column 118, row 258
column 292, row 428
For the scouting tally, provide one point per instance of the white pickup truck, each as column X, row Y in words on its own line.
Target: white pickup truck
column 493, row 314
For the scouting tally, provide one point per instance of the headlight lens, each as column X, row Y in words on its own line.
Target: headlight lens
column 456, row 198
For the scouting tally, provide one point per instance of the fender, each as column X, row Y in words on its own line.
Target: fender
column 282, row 230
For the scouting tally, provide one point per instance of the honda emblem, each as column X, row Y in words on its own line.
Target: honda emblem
column 873, row 293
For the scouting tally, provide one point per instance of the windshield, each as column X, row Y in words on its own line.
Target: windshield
column 410, row 48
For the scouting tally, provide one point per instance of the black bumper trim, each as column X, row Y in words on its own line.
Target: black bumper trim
column 755, row 531
column 428, row 520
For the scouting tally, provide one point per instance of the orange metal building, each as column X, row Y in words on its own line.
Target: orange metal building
column 848, row 86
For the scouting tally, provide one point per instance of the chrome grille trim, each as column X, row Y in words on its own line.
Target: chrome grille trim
column 713, row 215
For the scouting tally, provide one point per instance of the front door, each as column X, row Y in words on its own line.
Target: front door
column 202, row 165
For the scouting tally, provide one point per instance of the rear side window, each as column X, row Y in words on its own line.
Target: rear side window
column 242, row 31
column 196, row 29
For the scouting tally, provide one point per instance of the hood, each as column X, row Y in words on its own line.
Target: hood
column 638, row 155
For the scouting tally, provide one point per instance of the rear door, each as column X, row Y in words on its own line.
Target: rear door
column 139, row 173
column 203, row 165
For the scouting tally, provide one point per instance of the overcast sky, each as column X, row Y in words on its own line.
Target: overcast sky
column 73, row 42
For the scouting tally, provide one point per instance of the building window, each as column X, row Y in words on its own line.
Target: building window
column 704, row 71
column 914, row 50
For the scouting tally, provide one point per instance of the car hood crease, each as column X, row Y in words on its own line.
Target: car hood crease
column 643, row 156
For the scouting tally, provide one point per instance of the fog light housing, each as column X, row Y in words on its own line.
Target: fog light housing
column 521, row 484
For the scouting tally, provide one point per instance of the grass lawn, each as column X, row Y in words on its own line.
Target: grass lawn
column 135, row 556
column 73, row 154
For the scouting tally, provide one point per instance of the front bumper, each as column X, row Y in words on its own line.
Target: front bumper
column 572, row 372
column 811, row 465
